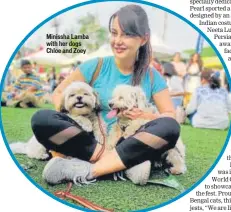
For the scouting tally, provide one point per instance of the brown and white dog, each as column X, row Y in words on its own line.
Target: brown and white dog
column 80, row 102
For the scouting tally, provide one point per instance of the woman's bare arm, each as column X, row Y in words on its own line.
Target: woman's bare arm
column 164, row 103
column 57, row 94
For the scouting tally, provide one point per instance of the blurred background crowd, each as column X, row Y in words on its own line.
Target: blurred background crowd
column 186, row 70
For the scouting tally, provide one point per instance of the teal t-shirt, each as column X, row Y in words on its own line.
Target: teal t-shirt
column 110, row 76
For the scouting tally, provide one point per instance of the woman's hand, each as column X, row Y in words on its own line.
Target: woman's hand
column 136, row 113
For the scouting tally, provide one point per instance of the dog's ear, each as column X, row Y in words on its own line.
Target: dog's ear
column 97, row 102
column 62, row 108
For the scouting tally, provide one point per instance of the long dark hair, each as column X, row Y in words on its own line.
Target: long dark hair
column 133, row 21
column 199, row 62
column 169, row 69
column 212, row 77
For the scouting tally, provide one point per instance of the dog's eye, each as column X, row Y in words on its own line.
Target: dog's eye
column 72, row 95
column 121, row 98
column 86, row 94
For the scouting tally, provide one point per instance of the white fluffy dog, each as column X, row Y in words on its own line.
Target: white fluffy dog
column 126, row 97
column 80, row 102
column 32, row 148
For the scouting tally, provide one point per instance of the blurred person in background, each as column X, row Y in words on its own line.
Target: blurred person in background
column 72, row 69
column 209, row 106
column 9, row 77
column 35, row 67
column 192, row 78
column 52, row 79
column 179, row 65
column 41, row 69
column 195, row 66
column 26, row 91
column 155, row 63
column 226, row 84
column 60, row 79
column 175, row 84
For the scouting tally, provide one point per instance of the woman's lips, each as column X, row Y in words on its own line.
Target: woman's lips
column 119, row 50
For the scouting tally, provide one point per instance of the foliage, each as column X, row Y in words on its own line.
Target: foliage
column 206, row 52
column 98, row 35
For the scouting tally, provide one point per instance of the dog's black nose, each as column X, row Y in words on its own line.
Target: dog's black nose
column 111, row 105
column 79, row 98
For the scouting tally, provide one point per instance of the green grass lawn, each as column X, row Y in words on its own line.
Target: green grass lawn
column 203, row 147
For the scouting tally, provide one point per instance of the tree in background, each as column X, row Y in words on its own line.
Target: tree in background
column 98, row 35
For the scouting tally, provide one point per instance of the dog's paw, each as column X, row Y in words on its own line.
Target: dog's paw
column 87, row 128
column 126, row 135
column 38, row 156
column 133, row 127
column 84, row 123
column 129, row 132
column 177, row 170
column 44, row 156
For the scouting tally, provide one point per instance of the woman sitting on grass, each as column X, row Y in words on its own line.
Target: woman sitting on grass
column 209, row 105
column 130, row 42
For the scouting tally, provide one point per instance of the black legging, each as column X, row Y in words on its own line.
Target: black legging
column 46, row 124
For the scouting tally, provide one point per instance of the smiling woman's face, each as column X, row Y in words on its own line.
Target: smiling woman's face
column 124, row 46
